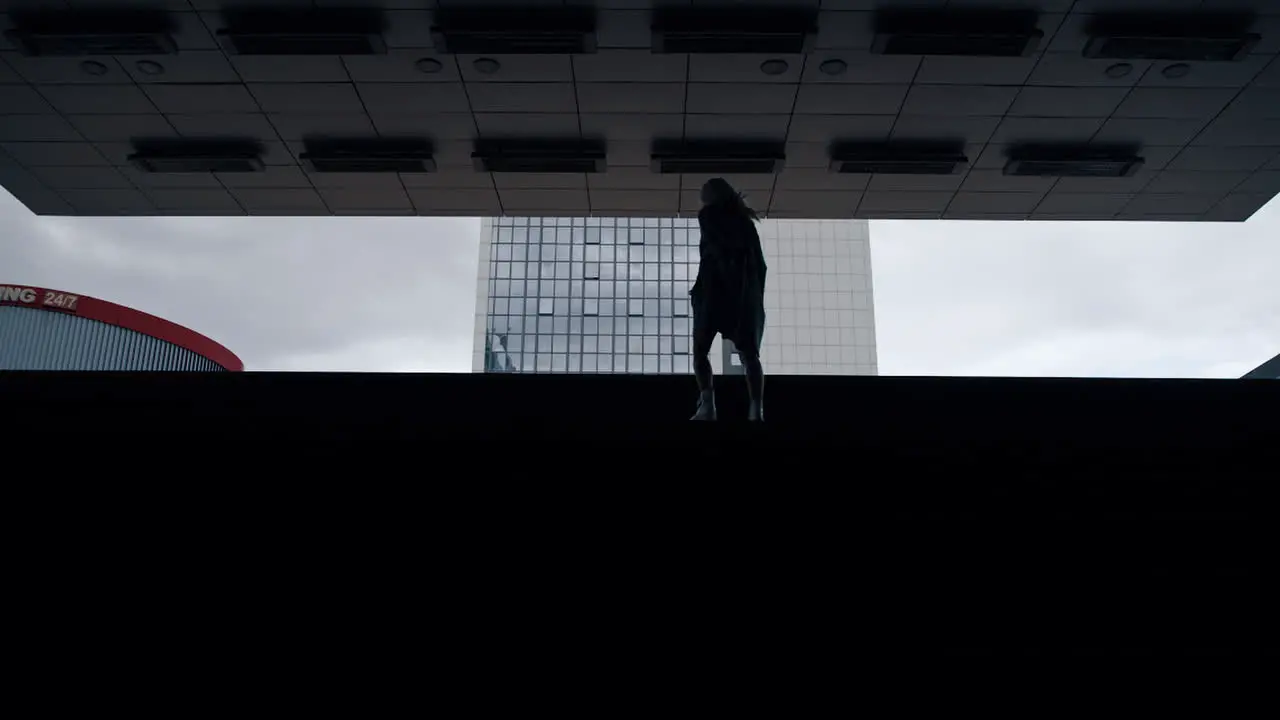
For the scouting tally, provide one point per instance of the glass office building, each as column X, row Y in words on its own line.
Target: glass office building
column 560, row 295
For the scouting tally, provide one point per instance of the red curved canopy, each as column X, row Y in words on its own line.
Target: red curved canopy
column 108, row 312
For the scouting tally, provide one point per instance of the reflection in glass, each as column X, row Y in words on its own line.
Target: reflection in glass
column 602, row 294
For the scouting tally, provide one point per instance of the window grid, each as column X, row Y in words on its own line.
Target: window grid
column 591, row 294
column 611, row 295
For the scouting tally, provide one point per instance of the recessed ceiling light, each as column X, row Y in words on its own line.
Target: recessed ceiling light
column 1176, row 70
column 93, row 67
column 833, row 67
column 486, row 66
column 150, row 67
column 1119, row 70
column 773, row 67
column 429, row 65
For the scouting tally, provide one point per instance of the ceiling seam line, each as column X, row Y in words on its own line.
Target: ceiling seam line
column 244, row 84
column 475, row 126
column 1094, row 136
column 786, row 134
column 365, row 108
column 1187, row 144
column 57, row 192
column 577, row 108
column 892, row 126
column 1039, row 59
column 684, row 131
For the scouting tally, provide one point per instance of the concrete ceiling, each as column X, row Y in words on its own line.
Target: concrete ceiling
column 1208, row 136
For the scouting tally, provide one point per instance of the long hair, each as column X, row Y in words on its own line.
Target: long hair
column 720, row 192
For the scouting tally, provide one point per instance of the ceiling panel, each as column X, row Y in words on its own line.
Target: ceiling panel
column 499, row 97
column 860, row 68
column 403, row 66
column 193, row 200
column 550, row 202
column 633, row 201
column 296, row 126
column 290, row 69
column 630, row 66
column 515, row 68
column 765, row 127
column 1209, row 132
column 254, row 125
column 38, row 128
column 198, row 66
column 629, row 178
column 91, row 99
column 195, row 99
column 109, row 202
column 367, row 199
column 400, row 99
column 962, row 70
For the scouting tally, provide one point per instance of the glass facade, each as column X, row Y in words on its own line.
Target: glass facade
column 612, row 295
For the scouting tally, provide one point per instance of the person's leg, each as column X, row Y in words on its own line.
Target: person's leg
column 702, row 339
column 755, row 383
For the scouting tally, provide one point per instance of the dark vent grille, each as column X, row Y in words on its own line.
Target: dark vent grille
column 92, row 33
column 337, row 32
column 781, row 30
column 1073, row 162
column 1189, row 38
column 974, row 34
column 499, row 30
column 1164, row 48
column 717, row 166
column 974, row 45
column 897, row 159
column 718, row 158
column 539, row 157
column 301, row 44
column 197, row 157
column 369, row 156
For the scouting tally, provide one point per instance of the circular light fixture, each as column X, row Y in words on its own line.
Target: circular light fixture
column 774, row 67
column 429, row 66
column 833, row 67
column 93, row 67
column 1119, row 70
column 486, row 66
column 1176, row 70
column 150, row 67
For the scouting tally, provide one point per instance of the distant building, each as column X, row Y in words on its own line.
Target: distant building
column 611, row 295
column 1269, row 370
column 44, row 329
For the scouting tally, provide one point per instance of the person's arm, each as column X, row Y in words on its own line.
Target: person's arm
column 707, row 241
column 703, row 250
column 757, row 253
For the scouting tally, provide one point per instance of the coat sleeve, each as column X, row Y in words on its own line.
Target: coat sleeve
column 707, row 240
column 703, row 242
column 757, row 252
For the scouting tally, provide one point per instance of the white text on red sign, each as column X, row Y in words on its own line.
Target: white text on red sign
column 30, row 296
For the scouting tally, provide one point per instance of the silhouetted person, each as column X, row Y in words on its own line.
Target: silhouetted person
column 728, row 296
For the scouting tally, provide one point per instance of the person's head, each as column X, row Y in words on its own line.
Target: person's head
column 718, row 191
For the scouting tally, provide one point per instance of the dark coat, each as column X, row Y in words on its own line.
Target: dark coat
column 728, row 295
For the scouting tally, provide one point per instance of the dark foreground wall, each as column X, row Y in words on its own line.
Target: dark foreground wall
column 967, row 515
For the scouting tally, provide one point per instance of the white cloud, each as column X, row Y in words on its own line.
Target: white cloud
column 952, row 298
column 381, row 294
column 1077, row 299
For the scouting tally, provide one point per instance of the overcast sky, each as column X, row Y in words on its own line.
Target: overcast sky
column 952, row 298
